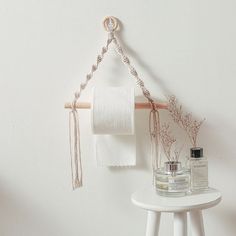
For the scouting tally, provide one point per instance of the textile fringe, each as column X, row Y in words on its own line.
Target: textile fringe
column 154, row 131
column 75, row 153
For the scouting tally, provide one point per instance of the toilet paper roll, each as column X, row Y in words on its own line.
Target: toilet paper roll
column 113, row 126
column 113, row 110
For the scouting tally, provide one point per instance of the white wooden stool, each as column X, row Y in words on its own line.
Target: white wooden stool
column 149, row 200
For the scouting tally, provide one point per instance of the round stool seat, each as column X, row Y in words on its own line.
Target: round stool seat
column 148, row 199
column 191, row 204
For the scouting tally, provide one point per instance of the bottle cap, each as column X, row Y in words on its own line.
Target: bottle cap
column 172, row 166
column 196, row 152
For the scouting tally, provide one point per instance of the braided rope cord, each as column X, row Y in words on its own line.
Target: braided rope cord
column 132, row 70
column 74, row 117
column 74, row 132
column 125, row 60
column 93, row 69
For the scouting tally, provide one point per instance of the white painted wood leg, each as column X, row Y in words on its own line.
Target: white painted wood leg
column 197, row 225
column 180, row 224
column 153, row 223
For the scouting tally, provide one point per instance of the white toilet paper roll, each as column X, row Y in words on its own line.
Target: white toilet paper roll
column 113, row 110
column 113, row 123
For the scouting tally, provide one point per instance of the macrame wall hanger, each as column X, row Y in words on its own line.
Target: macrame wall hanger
column 110, row 24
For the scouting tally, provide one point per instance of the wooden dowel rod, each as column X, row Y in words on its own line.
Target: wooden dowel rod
column 138, row 105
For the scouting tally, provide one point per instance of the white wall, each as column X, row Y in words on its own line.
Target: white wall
column 184, row 47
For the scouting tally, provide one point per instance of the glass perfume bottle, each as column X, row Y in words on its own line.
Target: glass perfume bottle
column 198, row 170
column 172, row 180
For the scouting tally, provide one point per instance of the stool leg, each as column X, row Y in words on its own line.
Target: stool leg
column 197, row 225
column 153, row 222
column 180, row 224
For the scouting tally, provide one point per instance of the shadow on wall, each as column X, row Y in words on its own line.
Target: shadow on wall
column 18, row 217
column 228, row 215
column 219, row 145
column 222, row 218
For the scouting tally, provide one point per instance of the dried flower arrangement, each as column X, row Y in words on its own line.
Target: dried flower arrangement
column 184, row 120
column 167, row 141
column 173, row 179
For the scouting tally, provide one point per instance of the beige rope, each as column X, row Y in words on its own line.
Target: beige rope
column 110, row 24
column 154, row 131
column 75, row 149
column 75, row 152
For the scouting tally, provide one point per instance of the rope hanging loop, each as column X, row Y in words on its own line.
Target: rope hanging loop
column 110, row 24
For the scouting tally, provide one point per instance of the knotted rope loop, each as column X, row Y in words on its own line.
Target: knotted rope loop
column 153, row 105
column 73, row 104
column 110, row 24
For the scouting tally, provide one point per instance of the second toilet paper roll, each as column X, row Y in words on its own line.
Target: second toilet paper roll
column 112, row 123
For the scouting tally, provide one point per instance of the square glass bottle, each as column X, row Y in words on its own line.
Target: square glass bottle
column 198, row 170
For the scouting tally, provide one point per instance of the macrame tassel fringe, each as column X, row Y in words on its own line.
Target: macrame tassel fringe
column 154, row 129
column 76, row 167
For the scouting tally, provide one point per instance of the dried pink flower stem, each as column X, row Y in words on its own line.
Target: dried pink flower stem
column 167, row 141
column 184, row 120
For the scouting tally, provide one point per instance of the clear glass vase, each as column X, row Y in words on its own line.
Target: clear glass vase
column 172, row 180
